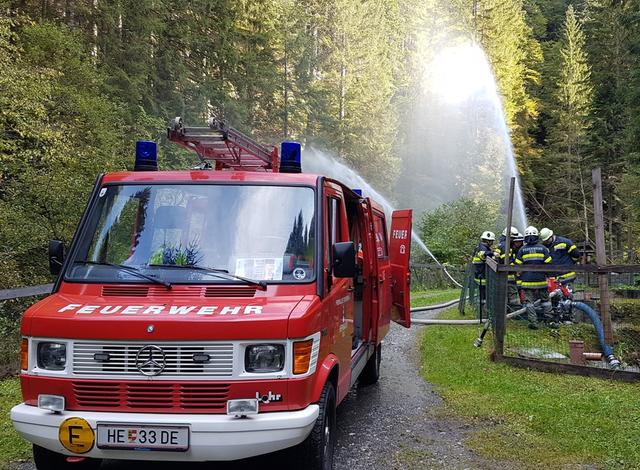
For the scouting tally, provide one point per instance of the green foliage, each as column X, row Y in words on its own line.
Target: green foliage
column 569, row 108
column 12, row 446
column 452, row 230
column 589, row 101
column 61, row 130
column 625, row 310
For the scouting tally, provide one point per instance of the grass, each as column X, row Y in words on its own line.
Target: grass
column 12, row 446
column 421, row 298
column 536, row 419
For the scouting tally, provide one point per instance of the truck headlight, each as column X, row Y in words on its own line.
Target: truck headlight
column 263, row 358
column 52, row 356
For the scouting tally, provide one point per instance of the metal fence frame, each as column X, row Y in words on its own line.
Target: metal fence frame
column 497, row 310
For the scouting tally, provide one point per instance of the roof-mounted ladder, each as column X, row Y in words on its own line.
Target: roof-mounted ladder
column 227, row 147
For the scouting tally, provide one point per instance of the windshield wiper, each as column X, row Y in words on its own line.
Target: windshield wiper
column 221, row 272
column 129, row 269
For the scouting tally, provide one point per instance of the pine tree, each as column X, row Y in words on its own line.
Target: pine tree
column 572, row 121
column 610, row 26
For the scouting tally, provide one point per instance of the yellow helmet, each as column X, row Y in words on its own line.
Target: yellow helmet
column 545, row 234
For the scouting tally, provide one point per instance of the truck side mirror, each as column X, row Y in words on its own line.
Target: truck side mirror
column 344, row 259
column 56, row 256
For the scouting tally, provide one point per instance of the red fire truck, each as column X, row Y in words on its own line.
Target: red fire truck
column 212, row 314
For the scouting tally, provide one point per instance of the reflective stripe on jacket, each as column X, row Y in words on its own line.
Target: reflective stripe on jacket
column 564, row 252
column 480, row 254
column 502, row 252
column 533, row 254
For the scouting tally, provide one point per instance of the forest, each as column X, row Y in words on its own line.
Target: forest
column 81, row 81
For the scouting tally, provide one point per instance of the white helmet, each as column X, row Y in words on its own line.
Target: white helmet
column 514, row 232
column 518, row 237
column 545, row 234
column 531, row 231
column 488, row 236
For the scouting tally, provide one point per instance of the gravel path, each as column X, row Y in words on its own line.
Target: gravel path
column 397, row 423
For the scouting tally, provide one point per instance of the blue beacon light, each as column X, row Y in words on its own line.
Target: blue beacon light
column 146, row 156
column 358, row 191
column 290, row 157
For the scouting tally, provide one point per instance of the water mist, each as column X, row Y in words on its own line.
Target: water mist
column 457, row 143
column 316, row 161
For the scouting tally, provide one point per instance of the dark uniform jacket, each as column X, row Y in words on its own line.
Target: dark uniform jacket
column 480, row 254
column 564, row 252
column 502, row 252
column 531, row 255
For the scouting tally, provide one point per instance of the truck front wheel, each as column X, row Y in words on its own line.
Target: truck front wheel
column 317, row 450
column 46, row 459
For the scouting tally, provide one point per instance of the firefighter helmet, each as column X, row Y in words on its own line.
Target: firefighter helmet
column 514, row 232
column 531, row 235
column 518, row 237
column 545, row 234
column 488, row 236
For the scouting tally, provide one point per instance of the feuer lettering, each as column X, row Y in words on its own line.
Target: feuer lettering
column 69, row 307
column 88, row 309
column 110, row 309
column 132, row 309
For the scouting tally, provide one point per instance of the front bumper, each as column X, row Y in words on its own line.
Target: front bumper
column 213, row 437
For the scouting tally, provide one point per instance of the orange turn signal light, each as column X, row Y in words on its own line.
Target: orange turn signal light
column 302, row 356
column 24, row 354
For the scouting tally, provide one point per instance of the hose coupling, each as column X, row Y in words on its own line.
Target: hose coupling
column 613, row 361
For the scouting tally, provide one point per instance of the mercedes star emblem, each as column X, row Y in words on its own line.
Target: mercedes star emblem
column 151, row 360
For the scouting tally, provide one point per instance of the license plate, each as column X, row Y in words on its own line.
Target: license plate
column 143, row 437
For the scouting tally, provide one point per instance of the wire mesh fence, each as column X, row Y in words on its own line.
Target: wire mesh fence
column 565, row 326
column 432, row 276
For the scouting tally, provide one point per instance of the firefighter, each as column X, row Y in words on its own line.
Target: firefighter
column 503, row 238
column 533, row 285
column 517, row 239
column 563, row 251
column 480, row 254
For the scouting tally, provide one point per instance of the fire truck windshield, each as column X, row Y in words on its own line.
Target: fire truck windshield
column 261, row 232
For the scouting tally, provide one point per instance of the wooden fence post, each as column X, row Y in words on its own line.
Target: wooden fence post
column 601, row 255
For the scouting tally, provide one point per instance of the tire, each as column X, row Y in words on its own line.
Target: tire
column 46, row 459
column 371, row 372
column 316, row 452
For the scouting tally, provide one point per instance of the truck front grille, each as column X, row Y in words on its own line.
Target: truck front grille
column 180, row 360
column 150, row 396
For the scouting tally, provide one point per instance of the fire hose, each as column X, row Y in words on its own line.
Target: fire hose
column 434, row 321
column 565, row 305
column 478, row 341
column 607, row 350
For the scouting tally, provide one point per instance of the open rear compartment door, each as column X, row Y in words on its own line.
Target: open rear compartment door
column 399, row 252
